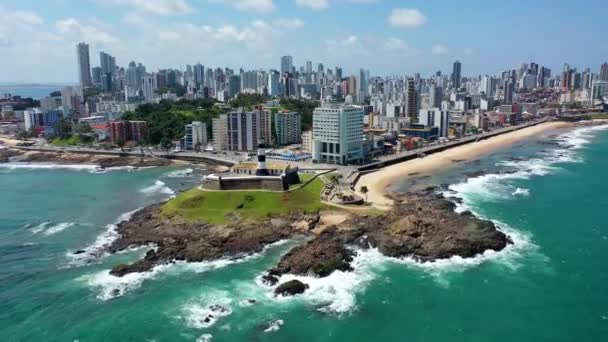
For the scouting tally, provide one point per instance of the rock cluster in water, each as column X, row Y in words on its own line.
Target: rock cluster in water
column 16, row 155
column 422, row 225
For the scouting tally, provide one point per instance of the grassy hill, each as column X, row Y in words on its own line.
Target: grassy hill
column 213, row 206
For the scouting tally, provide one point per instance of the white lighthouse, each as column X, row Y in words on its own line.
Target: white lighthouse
column 262, row 169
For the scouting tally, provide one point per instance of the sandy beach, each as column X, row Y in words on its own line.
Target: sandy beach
column 378, row 182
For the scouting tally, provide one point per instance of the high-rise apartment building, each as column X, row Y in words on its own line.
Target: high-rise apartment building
column 288, row 128
column 337, row 134
column 457, row 75
column 435, row 117
column 241, row 131
column 125, row 131
column 199, row 75
column 148, row 86
column 411, row 99
column 84, row 65
column 107, row 63
column 604, row 72
column 196, row 136
column 274, row 86
column 286, row 64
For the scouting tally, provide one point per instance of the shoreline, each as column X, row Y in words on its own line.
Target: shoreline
column 379, row 182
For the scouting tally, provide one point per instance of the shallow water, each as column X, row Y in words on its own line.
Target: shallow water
column 550, row 285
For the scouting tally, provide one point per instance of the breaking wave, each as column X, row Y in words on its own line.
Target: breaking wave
column 497, row 186
column 110, row 286
column 98, row 248
column 159, row 187
column 180, row 173
column 45, row 166
column 337, row 292
column 58, row 228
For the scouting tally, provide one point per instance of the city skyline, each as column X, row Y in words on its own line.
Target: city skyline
column 400, row 38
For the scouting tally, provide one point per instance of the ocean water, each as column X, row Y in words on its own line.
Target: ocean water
column 35, row 91
column 549, row 286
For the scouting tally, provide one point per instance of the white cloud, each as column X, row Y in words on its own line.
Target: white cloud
column 16, row 17
column 261, row 6
column 71, row 27
column 350, row 41
column 158, row 7
column 294, row 23
column 394, row 44
column 317, row 5
column 406, row 17
column 439, row 50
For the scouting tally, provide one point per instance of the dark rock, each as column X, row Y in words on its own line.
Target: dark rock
column 291, row 288
column 421, row 224
column 476, row 174
column 269, row 280
column 320, row 256
column 80, row 251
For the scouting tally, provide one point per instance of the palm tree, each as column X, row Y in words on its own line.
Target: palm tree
column 365, row 190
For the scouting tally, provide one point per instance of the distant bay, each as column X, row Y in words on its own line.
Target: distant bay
column 35, row 91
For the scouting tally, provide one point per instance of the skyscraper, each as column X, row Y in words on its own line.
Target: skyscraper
column 274, row 88
column 308, row 72
column 84, row 65
column 286, row 64
column 107, row 62
column 604, row 72
column 410, row 100
column 456, row 75
column 199, row 75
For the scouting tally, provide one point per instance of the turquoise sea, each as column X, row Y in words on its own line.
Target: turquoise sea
column 35, row 91
column 551, row 285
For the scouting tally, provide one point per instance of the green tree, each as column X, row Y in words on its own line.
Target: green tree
column 364, row 190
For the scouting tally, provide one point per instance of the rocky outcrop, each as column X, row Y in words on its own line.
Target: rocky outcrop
column 321, row 256
column 7, row 153
column 422, row 225
column 291, row 288
column 194, row 242
column 61, row 157
column 131, row 161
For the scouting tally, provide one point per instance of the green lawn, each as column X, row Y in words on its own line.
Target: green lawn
column 304, row 177
column 71, row 141
column 598, row 116
column 213, row 206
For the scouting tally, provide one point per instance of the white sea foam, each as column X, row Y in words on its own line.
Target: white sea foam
column 337, row 292
column 97, row 249
column 58, row 228
column 49, row 166
column 110, row 286
column 39, row 228
column 207, row 310
column 204, row 338
column 180, row 173
column 274, row 325
column 521, row 192
column 509, row 257
column 497, row 186
column 159, row 187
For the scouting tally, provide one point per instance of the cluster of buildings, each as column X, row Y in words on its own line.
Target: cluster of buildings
column 358, row 114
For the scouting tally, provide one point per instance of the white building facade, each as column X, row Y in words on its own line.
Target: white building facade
column 196, row 136
column 337, row 134
column 435, row 117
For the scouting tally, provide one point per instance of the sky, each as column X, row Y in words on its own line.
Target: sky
column 388, row 37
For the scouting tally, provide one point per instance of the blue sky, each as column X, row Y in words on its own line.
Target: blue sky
column 389, row 37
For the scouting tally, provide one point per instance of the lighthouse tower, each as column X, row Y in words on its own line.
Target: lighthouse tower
column 262, row 170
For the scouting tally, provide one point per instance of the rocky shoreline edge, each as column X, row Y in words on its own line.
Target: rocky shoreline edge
column 14, row 155
column 423, row 225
